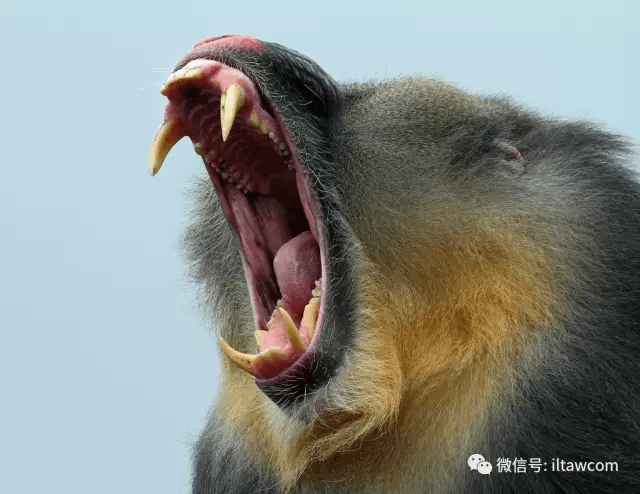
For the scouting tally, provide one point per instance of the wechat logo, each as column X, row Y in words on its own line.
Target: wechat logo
column 477, row 462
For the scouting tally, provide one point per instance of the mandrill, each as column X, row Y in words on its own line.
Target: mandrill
column 417, row 290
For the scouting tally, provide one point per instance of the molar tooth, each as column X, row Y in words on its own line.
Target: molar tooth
column 263, row 127
column 292, row 331
column 197, row 148
column 199, row 63
column 231, row 101
column 253, row 120
column 242, row 360
column 167, row 136
column 318, row 289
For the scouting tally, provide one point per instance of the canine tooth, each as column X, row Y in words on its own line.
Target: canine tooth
column 310, row 316
column 231, row 101
column 167, row 136
column 242, row 360
column 292, row 331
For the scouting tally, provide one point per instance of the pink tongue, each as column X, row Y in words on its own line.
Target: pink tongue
column 297, row 267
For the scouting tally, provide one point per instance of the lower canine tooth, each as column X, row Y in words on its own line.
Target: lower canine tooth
column 310, row 316
column 242, row 360
column 292, row 331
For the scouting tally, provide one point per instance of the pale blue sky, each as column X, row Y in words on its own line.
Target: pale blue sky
column 106, row 369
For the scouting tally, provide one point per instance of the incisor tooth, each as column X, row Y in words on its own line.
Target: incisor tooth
column 242, row 360
column 231, row 101
column 292, row 331
column 167, row 136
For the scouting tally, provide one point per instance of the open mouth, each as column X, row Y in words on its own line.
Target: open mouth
column 268, row 200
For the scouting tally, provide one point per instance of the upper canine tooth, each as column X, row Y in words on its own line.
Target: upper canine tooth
column 292, row 331
column 231, row 101
column 167, row 136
